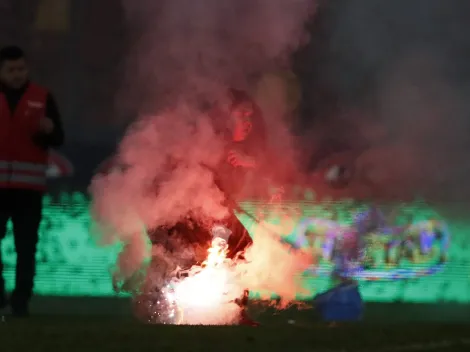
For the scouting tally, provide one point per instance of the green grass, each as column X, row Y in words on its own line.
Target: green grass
column 54, row 334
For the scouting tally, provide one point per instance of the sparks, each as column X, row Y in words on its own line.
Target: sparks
column 206, row 296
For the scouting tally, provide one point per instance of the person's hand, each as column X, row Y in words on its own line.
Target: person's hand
column 46, row 125
column 238, row 159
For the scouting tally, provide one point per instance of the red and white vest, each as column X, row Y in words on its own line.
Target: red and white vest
column 23, row 164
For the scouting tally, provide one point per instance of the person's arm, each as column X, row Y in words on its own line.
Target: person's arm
column 54, row 138
column 249, row 153
column 239, row 159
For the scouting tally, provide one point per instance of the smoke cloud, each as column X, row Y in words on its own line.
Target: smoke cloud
column 404, row 66
column 272, row 267
column 185, row 54
column 192, row 48
column 153, row 190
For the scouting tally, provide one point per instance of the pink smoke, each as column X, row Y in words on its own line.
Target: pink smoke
column 272, row 267
column 187, row 54
column 150, row 191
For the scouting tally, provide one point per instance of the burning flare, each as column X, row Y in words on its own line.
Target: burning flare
column 206, row 296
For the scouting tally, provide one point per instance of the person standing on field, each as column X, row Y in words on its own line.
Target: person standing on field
column 30, row 125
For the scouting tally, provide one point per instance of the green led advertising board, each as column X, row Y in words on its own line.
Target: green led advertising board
column 69, row 264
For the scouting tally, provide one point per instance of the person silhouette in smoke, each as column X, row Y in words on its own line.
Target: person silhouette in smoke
column 244, row 131
column 245, row 148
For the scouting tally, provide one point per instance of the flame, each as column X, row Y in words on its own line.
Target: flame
column 206, row 296
column 217, row 253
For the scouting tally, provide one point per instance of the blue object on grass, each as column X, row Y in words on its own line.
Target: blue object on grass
column 340, row 304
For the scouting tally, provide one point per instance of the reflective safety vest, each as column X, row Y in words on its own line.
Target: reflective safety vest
column 23, row 164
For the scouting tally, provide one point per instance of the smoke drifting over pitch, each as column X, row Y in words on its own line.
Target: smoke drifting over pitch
column 404, row 65
column 186, row 55
column 191, row 49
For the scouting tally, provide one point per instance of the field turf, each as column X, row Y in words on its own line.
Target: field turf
column 281, row 332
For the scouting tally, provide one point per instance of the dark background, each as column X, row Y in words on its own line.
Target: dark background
column 353, row 45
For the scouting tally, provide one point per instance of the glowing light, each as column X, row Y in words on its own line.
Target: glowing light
column 207, row 295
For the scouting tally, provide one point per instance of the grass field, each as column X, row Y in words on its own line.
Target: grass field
column 54, row 334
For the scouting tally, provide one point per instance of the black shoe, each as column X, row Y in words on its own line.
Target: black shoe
column 19, row 306
column 3, row 301
column 20, row 312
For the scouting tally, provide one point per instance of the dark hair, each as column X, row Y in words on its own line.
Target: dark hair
column 238, row 97
column 11, row 53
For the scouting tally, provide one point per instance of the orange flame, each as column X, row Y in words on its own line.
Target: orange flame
column 205, row 296
column 217, row 253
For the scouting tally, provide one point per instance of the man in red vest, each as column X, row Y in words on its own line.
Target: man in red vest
column 29, row 126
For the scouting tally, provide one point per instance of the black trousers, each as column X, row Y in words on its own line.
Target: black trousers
column 240, row 238
column 192, row 233
column 24, row 209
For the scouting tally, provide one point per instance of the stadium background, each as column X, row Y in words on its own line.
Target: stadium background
column 79, row 60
